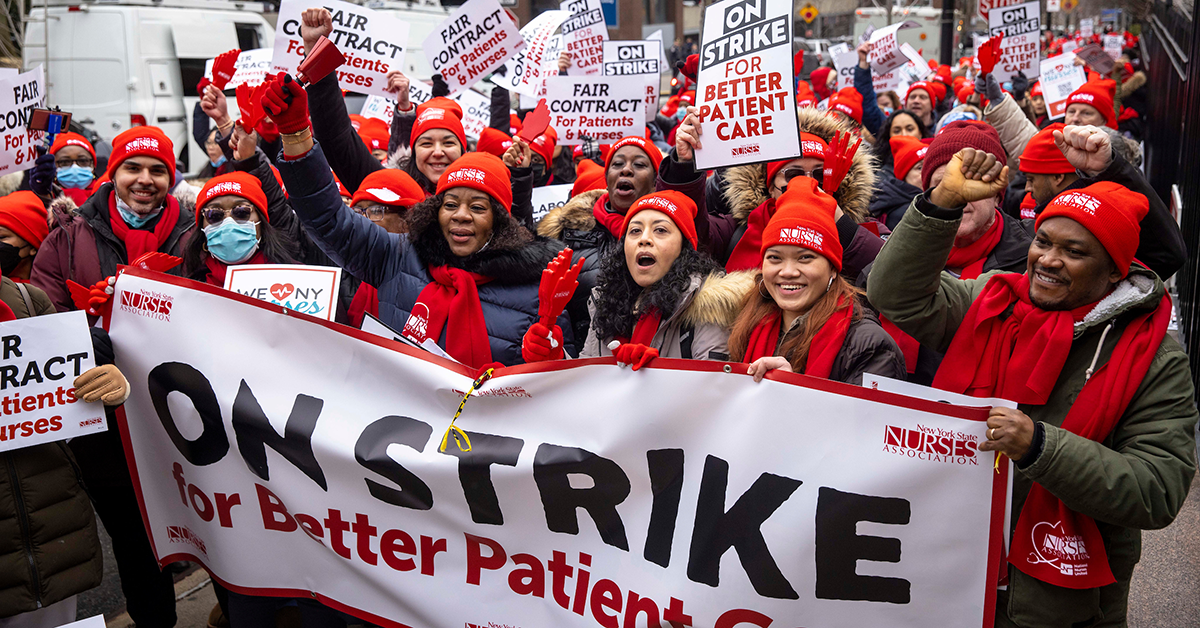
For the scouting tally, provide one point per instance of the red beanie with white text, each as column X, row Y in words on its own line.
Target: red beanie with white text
column 676, row 205
column 804, row 217
column 1110, row 211
column 479, row 171
column 148, row 141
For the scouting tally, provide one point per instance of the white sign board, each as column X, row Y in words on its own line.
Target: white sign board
column 251, row 68
column 476, row 39
column 639, row 60
column 983, row 7
column 1053, row 6
column 19, row 96
column 885, row 47
column 1113, row 45
column 845, row 64
column 477, row 112
column 584, row 34
column 1060, row 77
column 373, row 42
column 40, row 358
column 476, row 107
column 549, row 197
column 1020, row 26
column 311, row 290
column 1086, row 27
column 317, row 472
column 379, row 108
column 526, row 73
column 604, row 108
column 745, row 90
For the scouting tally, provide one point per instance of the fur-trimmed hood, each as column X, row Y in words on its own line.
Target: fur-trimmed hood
column 718, row 300
column 575, row 214
column 746, row 186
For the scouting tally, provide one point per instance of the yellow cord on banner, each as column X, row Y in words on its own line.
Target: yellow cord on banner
column 460, row 437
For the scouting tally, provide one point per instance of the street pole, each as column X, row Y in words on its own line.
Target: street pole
column 947, row 31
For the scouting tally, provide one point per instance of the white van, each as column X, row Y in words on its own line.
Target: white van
column 115, row 66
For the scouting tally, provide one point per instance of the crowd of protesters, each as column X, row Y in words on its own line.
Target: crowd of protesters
column 969, row 243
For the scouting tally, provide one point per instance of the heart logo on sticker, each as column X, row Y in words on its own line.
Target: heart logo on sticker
column 282, row 291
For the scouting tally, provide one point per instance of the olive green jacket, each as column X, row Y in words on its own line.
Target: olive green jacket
column 1136, row 479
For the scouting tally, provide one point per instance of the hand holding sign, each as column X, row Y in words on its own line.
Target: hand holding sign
column 989, row 53
column 838, row 160
column 223, row 68
column 687, row 137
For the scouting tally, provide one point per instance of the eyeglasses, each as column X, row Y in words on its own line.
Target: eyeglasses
column 376, row 212
column 240, row 213
column 83, row 162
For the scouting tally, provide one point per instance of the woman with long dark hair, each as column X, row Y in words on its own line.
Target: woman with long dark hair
column 802, row 315
column 900, row 122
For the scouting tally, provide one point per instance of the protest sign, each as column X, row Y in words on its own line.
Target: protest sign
column 838, row 49
column 251, row 68
column 373, row 43
column 525, row 73
column 1086, row 27
column 311, row 290
column 476, row 39
column 584, row 34
column 745, row 85
column 1060, row 77
column 91, row 622
column 1113, row 45
column 379, row 107
column 641, row 487
column 476, row 107
column 984, row 7
column 886, row 82
column 662, row 50
column 19, row 96
column 1096, row 58
column 477, row 112
column 885, row 48
column 549, row 197
column 604, row 108
column 845, row 64
column 41, row 357
column 1069, row 46
column 1020, row 26
column 639, row 60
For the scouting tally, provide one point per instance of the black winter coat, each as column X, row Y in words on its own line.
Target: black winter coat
column 892, row 198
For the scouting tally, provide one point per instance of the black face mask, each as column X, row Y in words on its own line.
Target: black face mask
column 10, row 258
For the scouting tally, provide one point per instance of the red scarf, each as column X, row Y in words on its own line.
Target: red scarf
column 452, row 297
column 366, row 301
column 645, row 328
column 822, row 350
column 908, row 345
column 970, row 258
column 1002, row 349
column 140, row 241
column 748, row 252
column 611, row 220
column 80, row 196
column 216, row 268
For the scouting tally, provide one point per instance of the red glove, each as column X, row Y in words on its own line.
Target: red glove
column 287, row 104
column 635, row 355
column 541, row 344
column 96, row 300
column 201, row 85
column 839, row 157
column 989, row 54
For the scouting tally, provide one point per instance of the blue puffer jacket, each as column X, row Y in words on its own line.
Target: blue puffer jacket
column 397, row 264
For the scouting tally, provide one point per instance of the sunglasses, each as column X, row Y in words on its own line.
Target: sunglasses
column 796, row 171
column 240, row 213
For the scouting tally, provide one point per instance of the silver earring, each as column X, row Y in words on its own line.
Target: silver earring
column 830, row 283
column 760, row 290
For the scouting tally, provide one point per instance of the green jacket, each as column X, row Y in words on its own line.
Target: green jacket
column 1136, row 479
column 49, row 548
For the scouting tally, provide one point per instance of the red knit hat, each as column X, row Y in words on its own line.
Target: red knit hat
column 241, row 184
column 375, row 134
column 1042, row 155
column 943, row 74
column 906, row 152
column 680, row 208
column 849, row 102
column 810, row 146
column 142, row 140
column 1110, row 211
column 514, row 124
column 804, row 217
column 646, row 145
column 493, row 141
column 819, row 79
column 479, row 171
column 589, row 175
column 24, row 214
column 957, row 136
column 1098, row 94
column 430, row 118
column 923, row 85
column 544, row 145
column 389, row 187
column 1036, row 90
column 357, row 121
column 804, row 95
column 965, row 92
column 63, row 140
column 957, row 83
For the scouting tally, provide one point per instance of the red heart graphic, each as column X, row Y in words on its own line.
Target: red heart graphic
column 281, row 291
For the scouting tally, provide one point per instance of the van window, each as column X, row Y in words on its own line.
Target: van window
column 247, row 35
column 190, row 72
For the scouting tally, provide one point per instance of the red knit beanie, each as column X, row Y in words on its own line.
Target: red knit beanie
column 810, row 146
column 943, row 74
column 24, row 214
column 804, row 217
column 849, row 102
column 479, row 171
column 589, row 175
column 357, row 121
column 1110, row 211
column 544, row 145
column 142, row 140
column 493, row 141
column 923, row 85
column 389, row 187
column 956, row 136
column 1099, row 94
column 674, row 204
column 1042, row 155
column 63, row 140
column 430, row 118
column 804, row 95
column 906, row 152
column 646, row 145
column 819, row 79
column 375, row 134
column 514, row 124
column 241, row 184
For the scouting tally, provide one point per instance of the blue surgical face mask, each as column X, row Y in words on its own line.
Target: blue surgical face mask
column 232, row 242
column 887, row 111
column 217, row 163
column 131, row 218
column 75, row 177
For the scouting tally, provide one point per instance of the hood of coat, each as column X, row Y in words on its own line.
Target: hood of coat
column 717, row 299
column 746, row 186
column 892, row 194
column 575, row 214
column 1138, row 293
column 10, row 183
column 1136, row 81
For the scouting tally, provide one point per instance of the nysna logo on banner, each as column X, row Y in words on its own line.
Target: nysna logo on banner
column 932, row 444
column 184, row 534
column 149, row 304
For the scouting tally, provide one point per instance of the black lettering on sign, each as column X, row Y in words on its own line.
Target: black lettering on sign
column 371, row 452
column 552, row 467
column 254, row 434
column 475, row 473
column 839, row 547
column 169, row 377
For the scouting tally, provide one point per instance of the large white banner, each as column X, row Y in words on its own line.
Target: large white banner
column 372, row 42
column 476, row 39
column 296, row 457
column 1020, row 26
column 19, row 96
column 745, row 89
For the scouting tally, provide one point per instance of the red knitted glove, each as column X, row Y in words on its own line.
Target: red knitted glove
column 839, row 158
column 635, row 355
column 541, row 344
column 287, row 104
